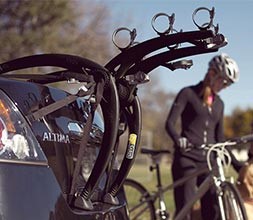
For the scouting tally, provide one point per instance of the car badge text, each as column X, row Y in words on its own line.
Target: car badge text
column 56, row 137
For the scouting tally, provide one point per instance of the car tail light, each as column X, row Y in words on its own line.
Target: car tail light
column 17, row 142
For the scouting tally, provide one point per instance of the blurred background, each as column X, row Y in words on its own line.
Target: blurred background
column 85, row 27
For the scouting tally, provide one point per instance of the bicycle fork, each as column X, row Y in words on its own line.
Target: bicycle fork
column 217, row 181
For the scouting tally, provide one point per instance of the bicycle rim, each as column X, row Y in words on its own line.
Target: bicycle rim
column 138, row 200
column 233, row 207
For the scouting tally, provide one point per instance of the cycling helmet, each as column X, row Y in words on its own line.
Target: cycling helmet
column 226, row 67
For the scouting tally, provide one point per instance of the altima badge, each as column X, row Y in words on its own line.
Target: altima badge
column 56, row 137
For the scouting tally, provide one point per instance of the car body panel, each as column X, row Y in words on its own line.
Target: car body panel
column 39, row 190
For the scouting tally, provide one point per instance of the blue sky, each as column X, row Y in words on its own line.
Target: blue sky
column 234, row 18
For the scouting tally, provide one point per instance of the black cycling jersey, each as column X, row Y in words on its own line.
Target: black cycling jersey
column 200, row 124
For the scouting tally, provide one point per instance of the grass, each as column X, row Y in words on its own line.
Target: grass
column 141, row 173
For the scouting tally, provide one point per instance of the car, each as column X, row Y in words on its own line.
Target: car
column 40, row 140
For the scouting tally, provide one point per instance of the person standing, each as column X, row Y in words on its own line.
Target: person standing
column 201, row 111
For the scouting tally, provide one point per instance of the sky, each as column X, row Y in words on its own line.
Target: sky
column 235, row 23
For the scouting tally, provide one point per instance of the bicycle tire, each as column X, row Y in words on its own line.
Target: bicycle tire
column 140, row 204
column 233, row 206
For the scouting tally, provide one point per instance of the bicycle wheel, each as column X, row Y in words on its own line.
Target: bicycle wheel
column 139, row 202
column 231, row 207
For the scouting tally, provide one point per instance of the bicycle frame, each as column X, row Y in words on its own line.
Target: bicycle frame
column 201, row 191
column 158, row 195
column 216, row 178
column 203, row 188
column 213, row 179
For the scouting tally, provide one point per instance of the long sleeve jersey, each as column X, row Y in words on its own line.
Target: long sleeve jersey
column 199, row 123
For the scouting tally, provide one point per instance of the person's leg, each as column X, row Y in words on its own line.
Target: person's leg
column 176, row 175
column 182, row 167
column 209, row 203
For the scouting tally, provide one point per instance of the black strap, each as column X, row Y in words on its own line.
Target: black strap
column 58, row 104
column 86, row 132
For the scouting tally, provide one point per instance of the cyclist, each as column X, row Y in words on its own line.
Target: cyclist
column 201, row 112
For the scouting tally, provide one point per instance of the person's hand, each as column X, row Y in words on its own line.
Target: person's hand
column 184, row 144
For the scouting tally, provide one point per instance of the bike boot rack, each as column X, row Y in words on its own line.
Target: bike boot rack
column 121, row 76
column 136, row 60
column 83, row 70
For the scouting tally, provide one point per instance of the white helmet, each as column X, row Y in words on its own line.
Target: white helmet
column 226, row 67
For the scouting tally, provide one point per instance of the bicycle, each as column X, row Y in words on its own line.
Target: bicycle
column 229, row 200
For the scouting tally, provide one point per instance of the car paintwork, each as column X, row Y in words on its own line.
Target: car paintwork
column 38, row 190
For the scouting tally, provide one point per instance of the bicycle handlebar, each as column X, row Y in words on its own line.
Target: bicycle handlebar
column 243, row 139
column 220, row 149
column 230, row 142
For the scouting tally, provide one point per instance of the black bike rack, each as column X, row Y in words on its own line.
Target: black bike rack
column 135, row 59
column 136, row 54
column 120, row 96
column 110, row 103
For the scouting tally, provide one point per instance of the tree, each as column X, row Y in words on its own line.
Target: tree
column 54, row 26
column 155, row 107
column 239, row 123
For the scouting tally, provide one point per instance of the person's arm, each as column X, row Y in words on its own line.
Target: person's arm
column 175, row 112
